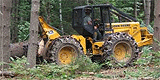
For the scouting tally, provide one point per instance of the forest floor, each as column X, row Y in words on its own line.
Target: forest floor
column 145, row 68
column 133, row 73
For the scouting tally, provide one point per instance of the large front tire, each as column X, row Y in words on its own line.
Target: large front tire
column 65, row 50
column 120, row 49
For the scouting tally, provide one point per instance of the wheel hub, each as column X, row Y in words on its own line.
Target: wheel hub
column 66, row 54
column 122, row 52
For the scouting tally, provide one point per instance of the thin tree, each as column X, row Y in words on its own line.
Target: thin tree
column 152, row 10
column 147, row 5
column 156, row 26
column 135, row 8
column 14, row 21
column 60, row 15
column 1, row 32
column 33, row 39
column 5, row 31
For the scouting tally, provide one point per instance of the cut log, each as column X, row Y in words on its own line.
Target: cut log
column 19, row 49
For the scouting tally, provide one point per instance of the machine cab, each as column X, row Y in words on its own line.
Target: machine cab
column 79, row 24
column 100, row 14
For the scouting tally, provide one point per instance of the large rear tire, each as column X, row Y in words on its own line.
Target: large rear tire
column 120, row 49
column 65, row 50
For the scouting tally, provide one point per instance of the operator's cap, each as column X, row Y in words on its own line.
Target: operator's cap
column 88, row 10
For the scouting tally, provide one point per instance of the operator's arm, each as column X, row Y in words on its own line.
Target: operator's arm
column 95, row 27
column 87, row 21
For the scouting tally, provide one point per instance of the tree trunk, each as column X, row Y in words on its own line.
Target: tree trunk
column 157, row 26
column 152, row 11
column 6, row 9
column 1, row 33
column 14, row 28
column 33, row 39
column 135, row 8
column 147, row 11
column 48, row 9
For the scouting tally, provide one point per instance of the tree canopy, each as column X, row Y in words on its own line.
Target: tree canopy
column 49, row 9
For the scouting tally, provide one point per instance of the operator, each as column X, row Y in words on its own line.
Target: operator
column 88, row 26
column 88, row 21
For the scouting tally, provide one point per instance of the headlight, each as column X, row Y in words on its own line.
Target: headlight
column 51, row 32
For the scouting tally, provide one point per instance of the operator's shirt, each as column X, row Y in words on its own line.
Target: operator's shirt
column 86, row 19
column 88, row 27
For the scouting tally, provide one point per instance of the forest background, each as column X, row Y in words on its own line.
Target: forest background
column 49, row 9
column 143, row 10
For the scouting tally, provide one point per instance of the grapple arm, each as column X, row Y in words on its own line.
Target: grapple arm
column 47, row 30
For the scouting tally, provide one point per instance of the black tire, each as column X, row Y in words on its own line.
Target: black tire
column 64, row 50
column 120, row 49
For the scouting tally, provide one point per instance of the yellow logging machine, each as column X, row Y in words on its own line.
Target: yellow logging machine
column 119, row 41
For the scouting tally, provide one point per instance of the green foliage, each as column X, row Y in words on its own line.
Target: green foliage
column 49, row 9
column 148, row 57
column 23, row 31
column 146, row 66
column 156, row 58
column 142, row 72
column 20, row 16
column 53, row 71
column 19, row 66
column 145, row 57
column 85, row 64
column 103, row 76
column 112, row 63
column 24, row 8
column 149, row 27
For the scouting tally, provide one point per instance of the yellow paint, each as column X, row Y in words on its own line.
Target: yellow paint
column 46, row 28
column 122, row 51
column 119, row 52
column 66, row 54
column 96, row 47
column 140, row 34
column 82, row 41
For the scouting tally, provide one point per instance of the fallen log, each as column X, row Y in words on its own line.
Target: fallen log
column 19, row 49
column 7, row 74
